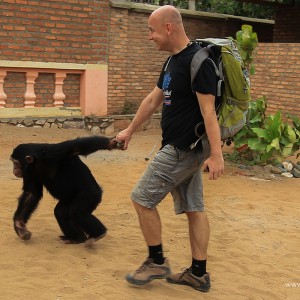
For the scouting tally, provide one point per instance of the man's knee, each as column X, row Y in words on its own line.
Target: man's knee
column 141, row 206
column 197, row 216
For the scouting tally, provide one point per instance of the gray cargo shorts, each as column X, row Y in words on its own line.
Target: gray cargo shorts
column 172, row 171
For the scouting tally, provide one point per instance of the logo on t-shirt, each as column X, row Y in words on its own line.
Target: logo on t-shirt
column 167, row 80
column 167, row 99
column 167, row 93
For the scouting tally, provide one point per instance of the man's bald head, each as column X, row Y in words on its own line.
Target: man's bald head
column 167, row 14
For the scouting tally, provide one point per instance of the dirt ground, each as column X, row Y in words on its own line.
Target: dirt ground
column 253, row 250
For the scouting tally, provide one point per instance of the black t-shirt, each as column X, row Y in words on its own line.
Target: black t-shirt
column 181, row 111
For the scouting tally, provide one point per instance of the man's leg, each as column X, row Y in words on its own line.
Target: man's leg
column 150, row 224
column 196, row 275
column 158, row 180
column 155, row 267
column 199, row 234
column 188, row 198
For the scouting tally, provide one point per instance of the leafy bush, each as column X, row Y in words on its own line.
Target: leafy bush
column 266, row 138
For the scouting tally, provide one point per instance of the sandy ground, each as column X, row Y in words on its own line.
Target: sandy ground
column 253, row 250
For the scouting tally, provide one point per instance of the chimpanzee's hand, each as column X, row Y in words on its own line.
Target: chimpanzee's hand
column 21, row 230
column 114, row 144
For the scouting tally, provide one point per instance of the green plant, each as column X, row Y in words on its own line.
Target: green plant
column 296, row 123
column 266, row 138
column 247, row 41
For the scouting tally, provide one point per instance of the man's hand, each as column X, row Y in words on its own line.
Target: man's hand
column 124, row 137
column 215, row 166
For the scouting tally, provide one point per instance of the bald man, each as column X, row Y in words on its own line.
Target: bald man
column 176, row 168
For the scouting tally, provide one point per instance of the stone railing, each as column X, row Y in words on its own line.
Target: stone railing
column 91, row 114
column 31, row 75
column 93, row 84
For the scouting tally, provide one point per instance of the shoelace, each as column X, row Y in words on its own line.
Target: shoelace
column 143, row 267
column 184, row 271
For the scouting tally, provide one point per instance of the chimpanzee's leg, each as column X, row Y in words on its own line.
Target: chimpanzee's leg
column 72, row 231
column 81, row 213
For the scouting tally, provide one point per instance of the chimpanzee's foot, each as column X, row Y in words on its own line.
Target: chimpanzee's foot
column 74, row 241
column 89, row 243
column 22, row 232
column 70, row 240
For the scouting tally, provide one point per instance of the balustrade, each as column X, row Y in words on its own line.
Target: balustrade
column 31, row 75
column 3, row 96
column 93, row 85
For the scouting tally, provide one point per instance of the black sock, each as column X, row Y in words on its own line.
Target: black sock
column 156, row 253
column 198, row 267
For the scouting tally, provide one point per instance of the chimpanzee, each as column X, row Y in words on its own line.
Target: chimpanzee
column 59, row 168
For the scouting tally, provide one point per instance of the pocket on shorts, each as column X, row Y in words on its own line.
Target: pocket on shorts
column 153, row 187
column 158, row 186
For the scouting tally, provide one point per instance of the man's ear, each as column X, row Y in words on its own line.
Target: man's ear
column 29, row 159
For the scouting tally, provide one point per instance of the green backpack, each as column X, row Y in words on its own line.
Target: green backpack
column 233, row 89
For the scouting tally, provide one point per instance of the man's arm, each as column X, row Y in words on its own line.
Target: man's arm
column 148, row 106
column 215, row 161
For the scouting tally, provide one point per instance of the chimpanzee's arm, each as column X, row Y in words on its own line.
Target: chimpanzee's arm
column 87, row 145
column 28, row 202
column 80, row 146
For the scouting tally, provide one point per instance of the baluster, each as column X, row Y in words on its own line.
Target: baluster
column 29, row 95
column 59, row 95
column 3, row 96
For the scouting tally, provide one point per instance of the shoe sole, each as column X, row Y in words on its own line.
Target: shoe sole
column 204, row 288
column 134, row 281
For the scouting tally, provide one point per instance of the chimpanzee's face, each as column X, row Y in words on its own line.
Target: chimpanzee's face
column 21, row 158
column 17, row 168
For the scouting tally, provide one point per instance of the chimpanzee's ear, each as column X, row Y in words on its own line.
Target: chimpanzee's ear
column 29, row 159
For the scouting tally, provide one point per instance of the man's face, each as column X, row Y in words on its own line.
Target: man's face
column 158, row 33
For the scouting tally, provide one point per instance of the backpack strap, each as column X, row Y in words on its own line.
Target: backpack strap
column 167, row 63
column 220, row 74
column 197, row 61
